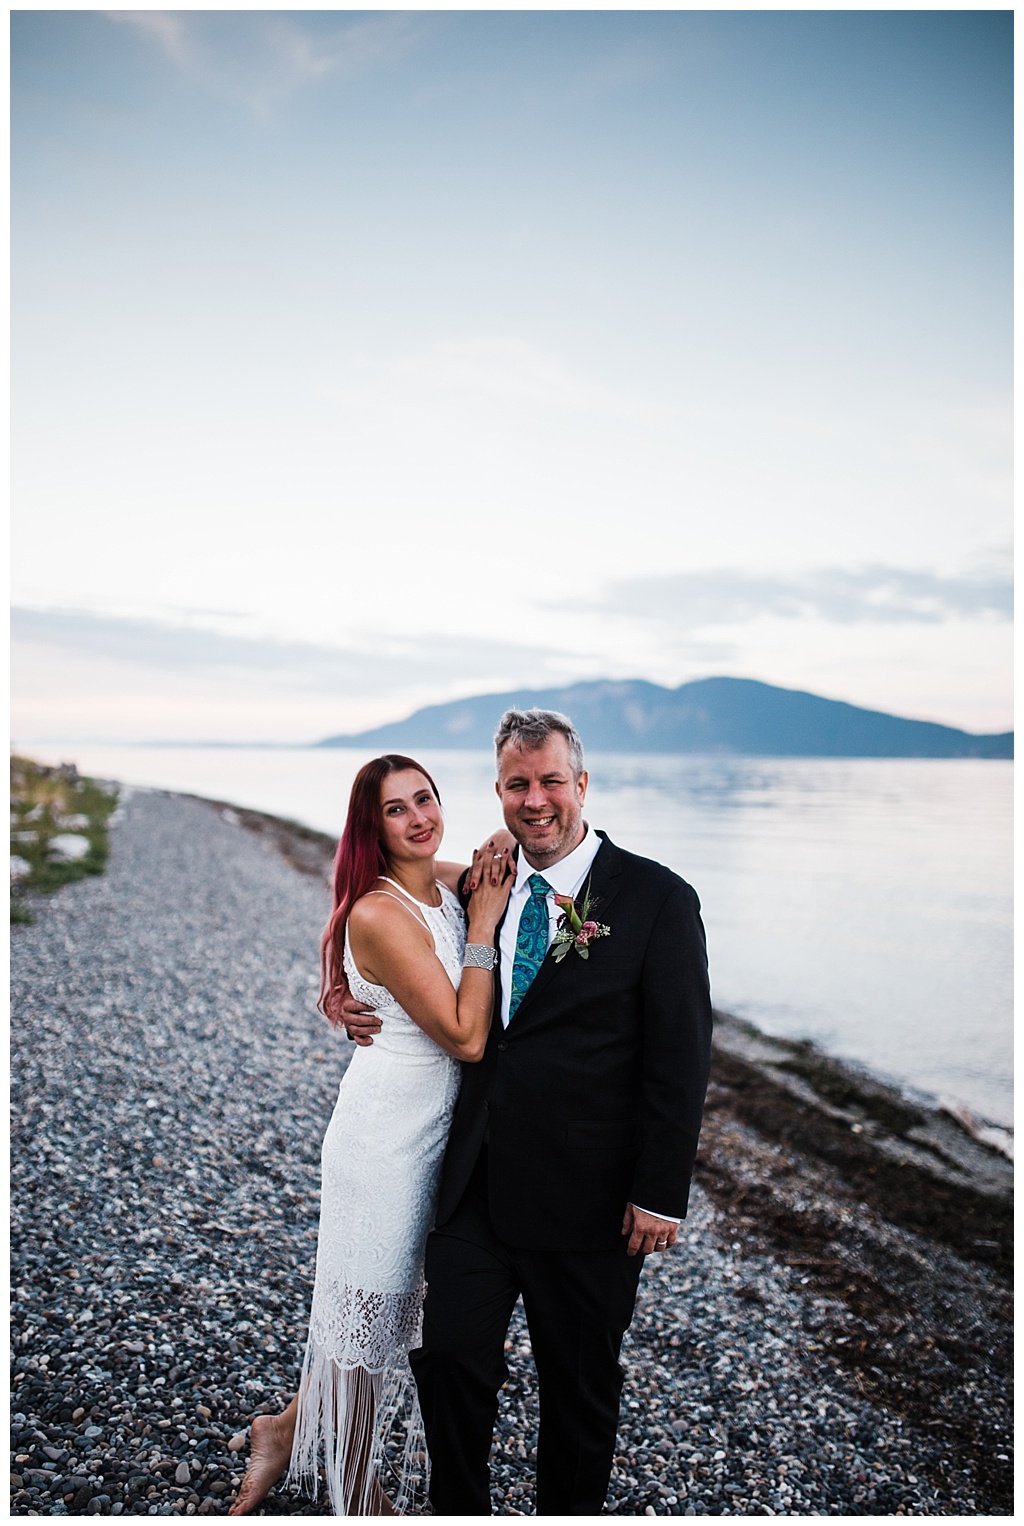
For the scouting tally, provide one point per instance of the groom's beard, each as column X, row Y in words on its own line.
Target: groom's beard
column 542, row 851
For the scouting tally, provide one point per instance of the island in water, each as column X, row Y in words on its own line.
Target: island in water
column 739, row 716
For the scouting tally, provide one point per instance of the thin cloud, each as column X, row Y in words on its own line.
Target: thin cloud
column 263, row 60
column 497, row 368
column 167, row 29
column 391, row 663
column 874, row 594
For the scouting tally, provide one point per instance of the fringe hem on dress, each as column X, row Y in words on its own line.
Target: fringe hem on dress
column 366, row 1429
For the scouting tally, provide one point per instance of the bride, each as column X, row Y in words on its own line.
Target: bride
column 397, row 938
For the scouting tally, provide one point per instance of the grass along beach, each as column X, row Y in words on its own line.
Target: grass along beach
column 58, row 828
column 831, row 1336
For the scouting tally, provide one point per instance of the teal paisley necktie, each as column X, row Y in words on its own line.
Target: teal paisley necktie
column 531, row 941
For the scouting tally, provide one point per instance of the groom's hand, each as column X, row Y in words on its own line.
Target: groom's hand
column 360, row 1021
column 646, row 1232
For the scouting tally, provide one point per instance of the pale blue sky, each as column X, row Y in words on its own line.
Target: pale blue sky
column 417, row 354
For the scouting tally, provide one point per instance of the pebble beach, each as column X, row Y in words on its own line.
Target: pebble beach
column 831, row 1336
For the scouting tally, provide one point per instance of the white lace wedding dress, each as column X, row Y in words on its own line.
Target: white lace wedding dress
column 381, row 1162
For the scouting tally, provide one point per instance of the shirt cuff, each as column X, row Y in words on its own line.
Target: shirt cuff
column 669, row 1218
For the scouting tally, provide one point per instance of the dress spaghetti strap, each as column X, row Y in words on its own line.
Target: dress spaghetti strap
column 421, row 920
column 388, row 880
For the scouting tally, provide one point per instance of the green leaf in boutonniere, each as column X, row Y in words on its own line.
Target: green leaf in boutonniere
column 576, row 928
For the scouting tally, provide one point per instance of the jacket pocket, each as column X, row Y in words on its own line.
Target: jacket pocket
column 602, row 1134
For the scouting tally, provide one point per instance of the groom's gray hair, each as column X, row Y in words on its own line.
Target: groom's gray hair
column 531, row 728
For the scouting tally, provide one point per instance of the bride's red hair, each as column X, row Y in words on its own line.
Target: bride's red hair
column 359, row 861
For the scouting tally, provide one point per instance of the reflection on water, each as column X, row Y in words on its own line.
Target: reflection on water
column 862, row 903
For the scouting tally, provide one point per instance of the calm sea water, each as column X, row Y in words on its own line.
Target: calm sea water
column 860, row 903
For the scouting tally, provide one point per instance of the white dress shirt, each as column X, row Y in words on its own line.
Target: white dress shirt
column 565, row 878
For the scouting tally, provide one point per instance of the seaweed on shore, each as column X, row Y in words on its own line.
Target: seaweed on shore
column 922, row 1321
column 978, row 1225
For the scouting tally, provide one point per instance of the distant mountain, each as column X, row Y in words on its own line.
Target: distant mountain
column 724, row 715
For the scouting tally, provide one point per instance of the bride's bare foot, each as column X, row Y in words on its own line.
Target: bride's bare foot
column 270, row 1448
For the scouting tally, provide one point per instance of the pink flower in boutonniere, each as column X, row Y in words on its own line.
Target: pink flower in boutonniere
column 576, row 929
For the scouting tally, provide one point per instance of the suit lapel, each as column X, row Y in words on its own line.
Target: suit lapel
column 603, row 881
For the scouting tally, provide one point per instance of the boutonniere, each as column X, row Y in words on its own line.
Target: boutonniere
column 576, row 929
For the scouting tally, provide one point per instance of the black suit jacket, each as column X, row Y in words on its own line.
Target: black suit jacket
column 592, row 1097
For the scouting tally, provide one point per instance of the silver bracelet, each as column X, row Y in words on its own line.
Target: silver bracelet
column 479, row 956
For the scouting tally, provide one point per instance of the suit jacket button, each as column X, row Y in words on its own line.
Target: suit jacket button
column 503, row 1045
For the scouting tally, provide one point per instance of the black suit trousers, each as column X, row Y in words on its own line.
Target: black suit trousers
column 578, row 1307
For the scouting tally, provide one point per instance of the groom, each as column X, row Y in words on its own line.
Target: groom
column 573, row 1140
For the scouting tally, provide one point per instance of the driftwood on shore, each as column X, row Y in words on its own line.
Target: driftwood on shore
column 831, row 1336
